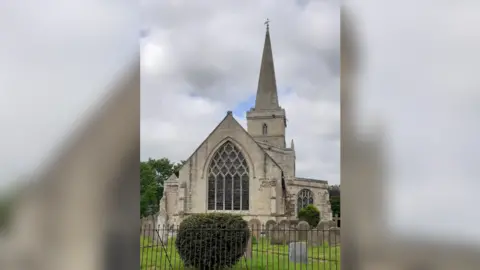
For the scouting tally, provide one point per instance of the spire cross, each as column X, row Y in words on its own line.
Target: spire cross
column 267, row 23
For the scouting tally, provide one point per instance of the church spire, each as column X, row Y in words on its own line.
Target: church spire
column 267, row 98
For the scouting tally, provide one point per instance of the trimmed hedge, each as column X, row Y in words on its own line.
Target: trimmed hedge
column 212, row 241
column 310, row 214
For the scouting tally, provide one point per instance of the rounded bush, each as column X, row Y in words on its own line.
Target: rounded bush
column 212, row 241
column 310, row 214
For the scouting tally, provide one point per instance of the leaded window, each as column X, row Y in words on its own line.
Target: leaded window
column 228, row 179
column 305, row 197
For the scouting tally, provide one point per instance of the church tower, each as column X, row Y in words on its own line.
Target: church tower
column 266, row 122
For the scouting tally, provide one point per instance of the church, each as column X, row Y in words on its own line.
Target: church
column 248, row 172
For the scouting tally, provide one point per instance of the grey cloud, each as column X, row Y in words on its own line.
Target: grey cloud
column 418, row 75
column 215, row 50
column 55, row 64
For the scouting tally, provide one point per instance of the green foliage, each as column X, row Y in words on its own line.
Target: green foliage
column 254, row 240
column 309, row 214
column 335, row 203
column 212, row 241
column 152, row 175
column 334, row 192
column 148, row 190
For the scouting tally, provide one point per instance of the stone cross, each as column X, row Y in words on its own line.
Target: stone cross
column 267, row 23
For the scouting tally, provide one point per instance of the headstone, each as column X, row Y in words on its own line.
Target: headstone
column 326, row 224
column 248, row 251
column 284, row 223
column 282, row 234
column 293, row 223
column 269, row 227
column 302, row 231
column 315, row 237
column 334, row 237
column 297, row 252
column 255, row 227
column 278, row 235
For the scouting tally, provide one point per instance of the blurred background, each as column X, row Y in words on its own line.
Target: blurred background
column 409, row 110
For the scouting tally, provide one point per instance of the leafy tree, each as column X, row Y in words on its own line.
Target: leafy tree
column 148, row 190
column 334, row 192
column 309, row 214
column 335, row 203
column 153, row 173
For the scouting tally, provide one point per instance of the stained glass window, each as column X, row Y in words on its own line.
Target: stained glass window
column 305, row 197
column 228, row 179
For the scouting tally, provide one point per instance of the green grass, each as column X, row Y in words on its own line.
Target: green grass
column 264, row 256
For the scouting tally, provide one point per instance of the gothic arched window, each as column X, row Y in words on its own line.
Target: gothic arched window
column 305, row 197
column 265, row 129
column 228, row 179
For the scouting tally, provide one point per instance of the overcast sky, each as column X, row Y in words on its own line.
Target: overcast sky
column 419, row 76
column 202, row 58
column 56, row 58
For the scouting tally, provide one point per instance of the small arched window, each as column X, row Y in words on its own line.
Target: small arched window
column 265, row 129
column 305, row 197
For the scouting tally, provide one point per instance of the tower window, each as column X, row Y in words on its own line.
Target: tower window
column 265, row 129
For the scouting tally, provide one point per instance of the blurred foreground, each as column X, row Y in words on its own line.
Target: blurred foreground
column 82, row 211
column 368, row 240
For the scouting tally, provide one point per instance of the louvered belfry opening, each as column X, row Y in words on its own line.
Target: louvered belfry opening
column 228, row 179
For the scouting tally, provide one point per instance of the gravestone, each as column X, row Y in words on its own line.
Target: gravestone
column 278, row 235
column 248, row 250
column 282, row 234
column 255, row 227
column 284, row 223
column 297, row 252
column 326, row 224
column 302, row 231
column 316, row 236
column 334, row 237
column 293, row 223
column 269, row 227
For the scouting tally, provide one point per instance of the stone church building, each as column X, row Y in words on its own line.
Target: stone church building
column 249, row 172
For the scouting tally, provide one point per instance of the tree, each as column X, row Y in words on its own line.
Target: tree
column 309, row 214
column 153, row 173
column 334, row 193
column 148, row 190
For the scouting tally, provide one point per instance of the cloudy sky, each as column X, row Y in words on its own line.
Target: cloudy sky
column 419, row 76
column 57, row 57
column 201, row 59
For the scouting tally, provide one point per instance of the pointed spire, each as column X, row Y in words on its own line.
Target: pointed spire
column 267, row 98
column 292, row 145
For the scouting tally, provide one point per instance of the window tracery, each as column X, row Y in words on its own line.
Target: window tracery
column 228, row 179
column 304, row 198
